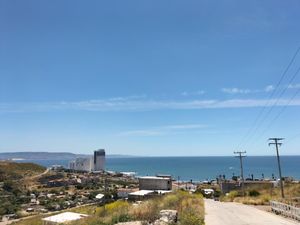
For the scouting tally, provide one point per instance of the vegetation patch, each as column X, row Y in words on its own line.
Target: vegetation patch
column 190, row 209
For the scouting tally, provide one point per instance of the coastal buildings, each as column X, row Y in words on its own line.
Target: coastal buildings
column 155, row 183
column 89, row 164
column 84, row 164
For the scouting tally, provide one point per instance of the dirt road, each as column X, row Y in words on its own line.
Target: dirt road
column 222, row 213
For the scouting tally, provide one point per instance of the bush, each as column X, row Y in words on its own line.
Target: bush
column 253, row 193
column 232, row 195
column 190, row 217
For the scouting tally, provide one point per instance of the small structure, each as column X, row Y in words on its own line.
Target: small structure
column 140, row 195
column 63, row 218
column 99, row 196
column 30, row 210
column 124, row 192
column 155, row 183
column 57, row 167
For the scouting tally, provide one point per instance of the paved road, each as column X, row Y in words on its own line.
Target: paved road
column 229, row 213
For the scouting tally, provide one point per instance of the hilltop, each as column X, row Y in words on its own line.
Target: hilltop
column 13, row 171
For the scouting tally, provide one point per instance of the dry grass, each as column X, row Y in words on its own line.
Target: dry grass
column 190, row 209
column 265, row 195
column 15, row 171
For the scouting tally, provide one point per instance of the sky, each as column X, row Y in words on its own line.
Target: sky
column 149, row 78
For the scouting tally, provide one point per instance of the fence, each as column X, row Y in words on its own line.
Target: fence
column 285, row 210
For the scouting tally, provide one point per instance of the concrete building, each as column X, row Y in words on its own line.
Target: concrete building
column 89, row 164
column 155, row 183
column 84, row 164
column 99, row 160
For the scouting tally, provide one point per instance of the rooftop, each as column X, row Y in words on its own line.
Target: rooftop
column 141, row 192
column 65, row 217
column 154, row 177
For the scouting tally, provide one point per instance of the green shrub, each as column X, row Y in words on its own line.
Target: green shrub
column 190, row 217
column 232, row 195
column 253, row 193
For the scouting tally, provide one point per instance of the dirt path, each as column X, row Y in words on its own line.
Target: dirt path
column 229, row 213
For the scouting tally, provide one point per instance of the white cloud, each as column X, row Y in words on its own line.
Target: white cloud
column 186, row 93
column 294, row 86
column 163, row 130
column 235, row 90
column 103, row 105
column 269, row 88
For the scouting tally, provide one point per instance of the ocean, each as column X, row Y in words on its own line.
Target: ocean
column 199, row 168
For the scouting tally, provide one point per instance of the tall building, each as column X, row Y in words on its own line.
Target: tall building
column 72, row 165
column 99, row 160
column 84, row 164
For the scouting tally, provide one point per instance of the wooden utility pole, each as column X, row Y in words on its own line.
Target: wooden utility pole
column 241, row 156
column 275, row 141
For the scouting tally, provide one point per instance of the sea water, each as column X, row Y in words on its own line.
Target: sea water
column 200, row 168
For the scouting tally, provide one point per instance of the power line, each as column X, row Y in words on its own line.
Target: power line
column 280, row 112
column 292, row 138
column 245, row 137
column 275, row 103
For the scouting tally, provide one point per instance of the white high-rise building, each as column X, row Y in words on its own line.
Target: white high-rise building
column 84, row 164
column 99, row 160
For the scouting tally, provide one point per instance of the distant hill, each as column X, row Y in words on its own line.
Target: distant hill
column 37, row 155
column 47, row 156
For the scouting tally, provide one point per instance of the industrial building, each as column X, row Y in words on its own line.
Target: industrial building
column 155, row 183
column 89, row 164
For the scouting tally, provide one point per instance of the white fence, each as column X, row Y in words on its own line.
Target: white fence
column 285, row 210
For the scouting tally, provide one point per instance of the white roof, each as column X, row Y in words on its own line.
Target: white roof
column 65, row 217
column 141, row 192
column 99, row 196
column 156, row 178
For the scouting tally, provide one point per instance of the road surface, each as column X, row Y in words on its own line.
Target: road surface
column 230, row 213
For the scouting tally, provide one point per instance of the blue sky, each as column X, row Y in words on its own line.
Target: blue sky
column 148, row 77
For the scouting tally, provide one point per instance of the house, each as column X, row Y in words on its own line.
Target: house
column 155, row 183
column 124, row 192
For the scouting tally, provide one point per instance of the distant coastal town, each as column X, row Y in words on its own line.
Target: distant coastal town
column 86, row 182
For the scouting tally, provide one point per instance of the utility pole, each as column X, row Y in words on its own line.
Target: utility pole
column 241, row 156
column 105, row 194
column 277, row 143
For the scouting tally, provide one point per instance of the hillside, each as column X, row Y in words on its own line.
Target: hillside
column 13, row 171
